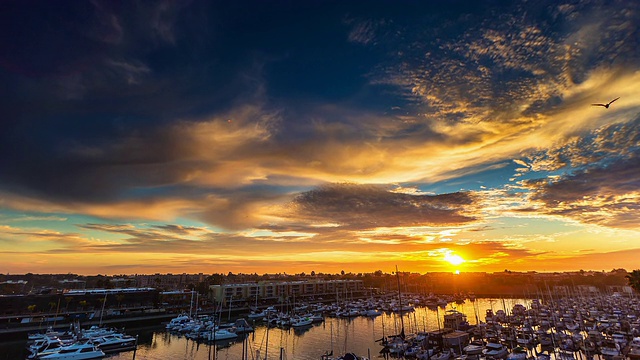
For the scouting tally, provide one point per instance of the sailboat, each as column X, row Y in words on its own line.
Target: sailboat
column 255, row 314
column 402, row 335
column 396, row 344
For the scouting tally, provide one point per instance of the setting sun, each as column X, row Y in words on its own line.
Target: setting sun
column 453, row 259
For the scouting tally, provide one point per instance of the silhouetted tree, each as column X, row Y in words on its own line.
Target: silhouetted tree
column 634, row 279
column 203, row 288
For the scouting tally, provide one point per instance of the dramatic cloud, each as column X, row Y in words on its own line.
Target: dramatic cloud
column 186, row 133
column 365, row 207
column 605, row 196
column 604, row 185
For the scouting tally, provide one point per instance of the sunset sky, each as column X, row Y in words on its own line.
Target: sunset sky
column 298, row 136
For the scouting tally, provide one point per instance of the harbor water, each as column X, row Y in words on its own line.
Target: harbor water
column 337, row 334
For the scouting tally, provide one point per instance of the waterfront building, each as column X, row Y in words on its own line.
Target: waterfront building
column 620, row 290
column 168, row 281
column 281, row 290
column 12, row 286
column 73, row 284
column 586, row 290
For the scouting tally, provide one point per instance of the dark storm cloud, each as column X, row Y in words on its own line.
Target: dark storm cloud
column 89, row 73
column 96, row 104
column 369, row 206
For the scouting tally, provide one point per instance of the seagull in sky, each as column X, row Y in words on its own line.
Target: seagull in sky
column 607, row 104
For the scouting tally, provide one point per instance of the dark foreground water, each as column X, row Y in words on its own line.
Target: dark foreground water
column 358, row 335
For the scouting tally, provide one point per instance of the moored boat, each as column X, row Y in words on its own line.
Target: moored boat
column 495, row 351
column 221, row 334
column 301, row 321
column 115, row 343
column 634, row 349
column 78, row 351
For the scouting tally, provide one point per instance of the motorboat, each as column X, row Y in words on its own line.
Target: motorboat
column 495, row 351
column 221, row 334
column 442, row 355
column 373, row 313
column 115, row 343
column 77, row 351
column 257, row 315
column 518, row 353
column 45, row 347
column 634, row 349
column 301, row 321
column 50, row 333
column 317, row 318
column 473, row 349
column 177, row 321
column 241, row 326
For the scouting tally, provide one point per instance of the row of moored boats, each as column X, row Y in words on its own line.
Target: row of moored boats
column 79, row 344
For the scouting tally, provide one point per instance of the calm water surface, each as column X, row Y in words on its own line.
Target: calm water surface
column 357, row 334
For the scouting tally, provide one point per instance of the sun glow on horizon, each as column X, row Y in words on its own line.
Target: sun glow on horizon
column 454, row 259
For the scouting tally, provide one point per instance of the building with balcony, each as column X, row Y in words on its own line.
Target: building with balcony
column 282, row 290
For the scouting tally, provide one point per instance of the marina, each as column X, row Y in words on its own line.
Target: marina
column 602, row 327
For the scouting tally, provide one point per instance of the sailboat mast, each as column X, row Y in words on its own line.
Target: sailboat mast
column 400, row 301
column 266, row 347
column 331, row 332
column 191, row 304
column 104, row 302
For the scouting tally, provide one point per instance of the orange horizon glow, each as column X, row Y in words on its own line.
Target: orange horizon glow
column 118, row 264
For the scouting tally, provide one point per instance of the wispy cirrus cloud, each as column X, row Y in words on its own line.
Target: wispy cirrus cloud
column 363, row 31
column 32, row 240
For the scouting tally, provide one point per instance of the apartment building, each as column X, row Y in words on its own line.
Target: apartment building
column 284, row 289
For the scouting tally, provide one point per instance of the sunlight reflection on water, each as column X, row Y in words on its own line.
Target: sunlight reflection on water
column 357, row 334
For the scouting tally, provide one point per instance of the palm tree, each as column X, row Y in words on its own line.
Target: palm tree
column 119, row 297
column 634, row 279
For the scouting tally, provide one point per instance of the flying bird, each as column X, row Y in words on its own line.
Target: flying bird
column 607, row 104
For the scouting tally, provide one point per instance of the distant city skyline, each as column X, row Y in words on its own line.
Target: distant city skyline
column 270, row 137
